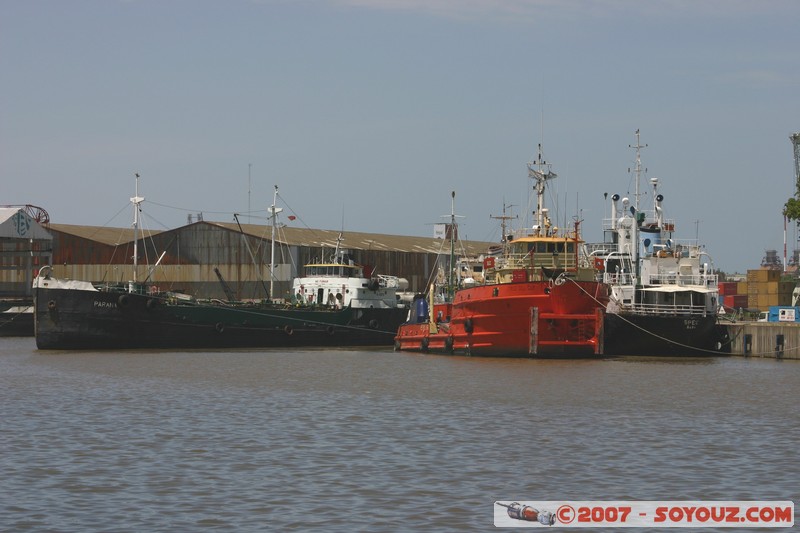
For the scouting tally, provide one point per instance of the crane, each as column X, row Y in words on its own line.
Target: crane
column 225, row 287
column 795, row 138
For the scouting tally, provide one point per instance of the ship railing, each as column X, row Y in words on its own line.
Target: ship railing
column 554, row 232
column 111, row 286
column 619, row 278
column 690, row 244
column 600, row 249
column 667, row 309
column 678, row 248
column 610, row 224
column 684, row 280
column 668, row 224
column 388, row 281
column 540, row 259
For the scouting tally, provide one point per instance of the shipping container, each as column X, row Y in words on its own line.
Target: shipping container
column 741, row 287
column 727, row 288
column 765, row 301
column 735, row 301
column 761, row 288
column 763, row 274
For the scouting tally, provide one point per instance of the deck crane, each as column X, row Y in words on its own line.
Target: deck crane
column 225, row 287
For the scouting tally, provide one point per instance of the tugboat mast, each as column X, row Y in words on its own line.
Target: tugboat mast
column 540, row 175
column 504, row 231
column 450, row 288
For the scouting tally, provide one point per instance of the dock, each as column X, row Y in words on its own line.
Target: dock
column 778, row 340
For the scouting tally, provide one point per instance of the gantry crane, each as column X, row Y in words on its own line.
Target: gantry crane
column 795, row 138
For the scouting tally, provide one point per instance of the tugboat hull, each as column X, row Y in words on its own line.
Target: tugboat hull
column 532, row 319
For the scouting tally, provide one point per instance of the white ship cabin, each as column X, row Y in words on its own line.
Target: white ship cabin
column 671, row 276
column 678, row 278
column 342, row 284
column 334, row 270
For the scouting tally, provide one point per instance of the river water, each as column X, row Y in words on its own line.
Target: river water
column 372, row 440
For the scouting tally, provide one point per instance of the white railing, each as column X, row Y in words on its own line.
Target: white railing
column 600, row 249
column 650, row 216
column 388, row 281
column 708, row 281
column 666, row 309
column 623, row 278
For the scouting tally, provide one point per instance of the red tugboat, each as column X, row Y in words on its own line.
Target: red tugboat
column 540, row 297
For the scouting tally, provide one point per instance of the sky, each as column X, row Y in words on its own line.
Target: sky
column 367, row 113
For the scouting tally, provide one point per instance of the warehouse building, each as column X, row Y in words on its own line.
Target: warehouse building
column 202, row 257
column 25, row 244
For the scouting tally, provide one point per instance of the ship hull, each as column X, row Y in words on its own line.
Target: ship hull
column 83, row 319
column 16, row 320
column 527, row 319
column 664, row 335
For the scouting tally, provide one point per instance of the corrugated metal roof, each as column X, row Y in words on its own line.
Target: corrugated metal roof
column 305, row 237
column 109, row 236
column 355, row 240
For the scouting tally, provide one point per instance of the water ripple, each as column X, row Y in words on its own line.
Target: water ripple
column 375, row 441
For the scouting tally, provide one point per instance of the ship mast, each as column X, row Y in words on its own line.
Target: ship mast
column 638, row 172
column 503, row 220
column 450, row 288
column 273, row 211
column 541, row 174
column 136, row 200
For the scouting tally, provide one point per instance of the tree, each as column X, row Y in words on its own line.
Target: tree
column 792, row 209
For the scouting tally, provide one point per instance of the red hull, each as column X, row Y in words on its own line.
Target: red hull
column 537, row 318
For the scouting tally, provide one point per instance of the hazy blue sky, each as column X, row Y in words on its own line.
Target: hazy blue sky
column 367, row 114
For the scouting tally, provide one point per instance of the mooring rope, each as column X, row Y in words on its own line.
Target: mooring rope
column 714, row 352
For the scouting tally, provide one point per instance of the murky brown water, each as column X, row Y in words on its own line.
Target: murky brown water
column 345, row 440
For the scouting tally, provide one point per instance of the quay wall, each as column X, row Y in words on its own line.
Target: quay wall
column 779, row 340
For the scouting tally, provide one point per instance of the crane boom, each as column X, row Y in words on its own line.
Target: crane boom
column 225, row 286
column 795, row 138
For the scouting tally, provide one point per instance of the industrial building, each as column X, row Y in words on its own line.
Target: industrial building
column 25, row 244
column 202, row 256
